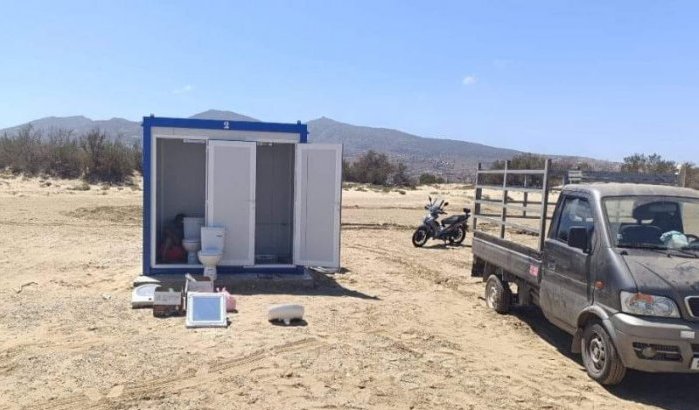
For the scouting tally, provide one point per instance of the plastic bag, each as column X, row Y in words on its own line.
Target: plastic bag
column 230, row 300
column 674, row 239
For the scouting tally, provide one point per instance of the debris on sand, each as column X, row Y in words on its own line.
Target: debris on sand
column 24, row 285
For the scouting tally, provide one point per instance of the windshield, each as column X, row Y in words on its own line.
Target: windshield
column 653, row 222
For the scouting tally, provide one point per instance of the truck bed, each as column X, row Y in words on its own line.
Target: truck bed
column 513, row 258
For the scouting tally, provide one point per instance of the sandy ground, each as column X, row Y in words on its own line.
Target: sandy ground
column 400, row 328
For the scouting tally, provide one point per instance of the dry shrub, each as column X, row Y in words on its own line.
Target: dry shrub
column 93, row 156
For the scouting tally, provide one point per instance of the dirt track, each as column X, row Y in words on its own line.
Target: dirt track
column 400, row 328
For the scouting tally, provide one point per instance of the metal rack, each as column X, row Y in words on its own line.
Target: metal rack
column 528, row 209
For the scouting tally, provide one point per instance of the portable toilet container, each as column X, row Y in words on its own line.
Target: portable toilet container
column 277, row 196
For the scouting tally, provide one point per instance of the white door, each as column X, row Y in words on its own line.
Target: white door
column 230, row 198
column 318, row 197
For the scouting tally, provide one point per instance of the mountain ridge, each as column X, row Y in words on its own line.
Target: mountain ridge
column 451, row 158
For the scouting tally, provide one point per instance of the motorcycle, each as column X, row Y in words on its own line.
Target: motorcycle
column 452, row 229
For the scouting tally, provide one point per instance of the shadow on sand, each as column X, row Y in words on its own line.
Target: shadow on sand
column 447, row 245
column 668, row 391
column 293, row 323
column 322, row 284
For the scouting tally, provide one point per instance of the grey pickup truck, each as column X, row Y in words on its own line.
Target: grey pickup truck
column 617, row 268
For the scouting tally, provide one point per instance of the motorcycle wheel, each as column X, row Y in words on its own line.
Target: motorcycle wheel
column 458, row 236
column 420, row 237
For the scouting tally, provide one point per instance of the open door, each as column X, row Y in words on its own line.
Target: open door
column 317, row 194
column 230, row 198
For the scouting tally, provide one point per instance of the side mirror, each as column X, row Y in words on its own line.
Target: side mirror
column 579, row 238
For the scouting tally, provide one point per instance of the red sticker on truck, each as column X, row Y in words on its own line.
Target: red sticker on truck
column 534, row 270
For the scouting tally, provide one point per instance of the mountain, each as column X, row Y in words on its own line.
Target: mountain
column 222, row 115
column 447, row 157
column 115, row 127
column 118, row 128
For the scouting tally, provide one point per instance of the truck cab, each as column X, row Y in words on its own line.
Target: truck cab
column 618, row 268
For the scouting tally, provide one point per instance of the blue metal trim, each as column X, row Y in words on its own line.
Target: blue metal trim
column 146, row 195
column 230, row 270
column 304, row 133
column 297, row 128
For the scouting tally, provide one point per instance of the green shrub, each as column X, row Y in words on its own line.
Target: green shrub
column 64, row 158
column 22, row 153
column 429, row 179
column 106, row 160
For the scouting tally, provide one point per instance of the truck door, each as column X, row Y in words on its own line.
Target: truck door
column 565, row 283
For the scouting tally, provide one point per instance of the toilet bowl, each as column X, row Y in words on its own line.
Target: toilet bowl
column 191, row 242
column 212, row 240
column 191, row 246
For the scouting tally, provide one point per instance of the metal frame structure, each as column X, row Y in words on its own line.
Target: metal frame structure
column 149, row 176
column 526, row 206
column 575, row 176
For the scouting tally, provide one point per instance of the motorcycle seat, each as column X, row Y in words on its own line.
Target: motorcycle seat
column 451, row 220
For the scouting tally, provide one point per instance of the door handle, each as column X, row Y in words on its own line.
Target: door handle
column 551, row 264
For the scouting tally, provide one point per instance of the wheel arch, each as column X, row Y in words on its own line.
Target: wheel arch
column 590, row 314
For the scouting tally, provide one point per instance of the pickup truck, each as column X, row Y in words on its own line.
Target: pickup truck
column 618, row 268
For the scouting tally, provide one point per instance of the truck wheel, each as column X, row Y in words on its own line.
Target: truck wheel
column 600, row 356
column 497, row 295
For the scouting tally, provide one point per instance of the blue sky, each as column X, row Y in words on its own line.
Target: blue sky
column 594, row 78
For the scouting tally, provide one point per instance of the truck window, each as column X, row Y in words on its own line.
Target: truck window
column 576, row 212
column 653, row 221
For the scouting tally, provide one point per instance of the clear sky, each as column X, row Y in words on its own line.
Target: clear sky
column 596, row 78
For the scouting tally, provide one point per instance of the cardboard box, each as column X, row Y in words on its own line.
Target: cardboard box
column 201, row 284
column 167, row 301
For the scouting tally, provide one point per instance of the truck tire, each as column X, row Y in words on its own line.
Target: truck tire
column 599, row 355
column 497, row 295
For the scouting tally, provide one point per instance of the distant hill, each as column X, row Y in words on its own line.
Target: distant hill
column 450, row 158
column 115, row 127
column 447, row 157
column 222, row 115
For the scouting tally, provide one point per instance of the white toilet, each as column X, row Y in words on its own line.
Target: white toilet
column 211, row 249
column 192, row 237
